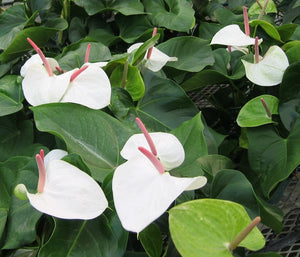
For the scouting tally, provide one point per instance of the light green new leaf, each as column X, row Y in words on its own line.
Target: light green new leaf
column 206, row 227
column 256, row 9
column 253, row 113
column 268, row 28
column 175, row 15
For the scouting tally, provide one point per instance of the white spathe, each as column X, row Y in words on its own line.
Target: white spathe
column 40, row 88
column 90, row 88
column 69, row 193
column 141, row 194
column 232, row 35
column 157, row 60
column 37, row 59
column 170, row 151
column 269, row 71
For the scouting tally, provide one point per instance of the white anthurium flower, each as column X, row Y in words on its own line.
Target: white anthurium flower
column 269, row 70
column 37, row 59
column 142, row 188
column 64, row 191
column 157, row 60
column 90, row 88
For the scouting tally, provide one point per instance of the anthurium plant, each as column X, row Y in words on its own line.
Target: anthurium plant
column 105, row 151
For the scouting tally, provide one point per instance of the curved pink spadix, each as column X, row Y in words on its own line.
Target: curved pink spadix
column 42, row 171
column 151, row 48
column 266, row 107
column 256, row 50
column 157, row 164
column 76, row 73
column 246, row 21
column 147, row 136
column 40, row 53
column 87, row 53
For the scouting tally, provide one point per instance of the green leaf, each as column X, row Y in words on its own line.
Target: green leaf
column 232, row 185
column 175, row 15
column 11, row 95
column 226, row 17
column 123, row 6
column 12, row 21
column 94, row 135
column 268, row 254
column 274, row 158
column 286, row 31
column 75, row 237
column 76, row 30
column 158, row 109
column 290, row 85
column 190, row 134
column 268, row 28
column 151, row 240
column 134, row 82
column 255, row 9
column 74, row 54
column 16, row 137
column 40, row 35
column 205, row 227
column 289, row 112
column 133, row 27
column 193, row 53
column 253, row 113
column 293, row 54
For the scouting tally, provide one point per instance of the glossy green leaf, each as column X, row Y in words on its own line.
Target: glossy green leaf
column 268, row 254
column 267, row 27
column 75, row 237
column 274, row 158
column 290, row 86
column 11, row 95
column 293, row 54
column 12, row 21
column 151, row 240
column 226, row 17
column 289, row 112
column 207, row 30
column 123, row 6
column 193, row 53
column 205, row 227
column 40, row 35
column 255, row 9
column 158, row 109
column 134, row 82
column 190, row 134
column 16, row 137
column 73, row 55
column 175, row 15
column 286, row 31
column 94, row 135
column 232, row 185
column 253, row 113
column 133, row 27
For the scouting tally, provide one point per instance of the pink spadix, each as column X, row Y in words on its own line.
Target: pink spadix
column 40, row 53
column 246, row 21
column 147, row 136
column 151, row 48
column 256, row 50
column 157, row 164
column 266, row 107
column 42, row 171
column 76, row 73
column 87, row 53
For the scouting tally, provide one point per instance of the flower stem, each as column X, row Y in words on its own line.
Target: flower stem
column 263, row 10
column 266, row 107
column 42, row 171
column 256, row 50
column 246, row 21
column 242, row 235
column 147, row 136
column 76, row 73
column 87, row 53
column 40, row 53
column 125, row 73
column 157, row 164
column 151, row 48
